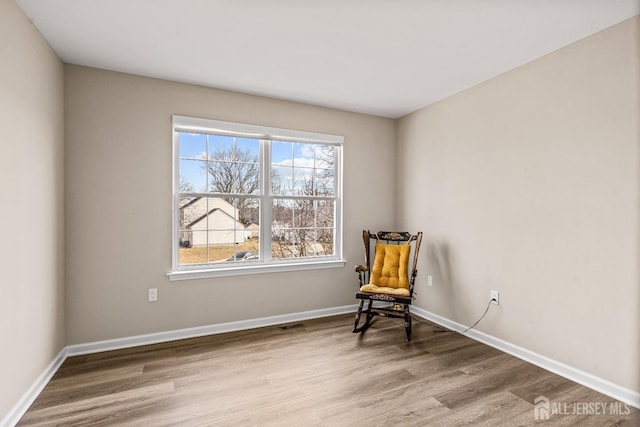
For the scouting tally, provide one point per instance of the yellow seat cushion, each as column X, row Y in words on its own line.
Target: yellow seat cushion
column 390, row 272
column 385, row 290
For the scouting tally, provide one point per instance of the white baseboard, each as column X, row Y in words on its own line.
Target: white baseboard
column 12, row 418
column 199, row 331
column 601, row 385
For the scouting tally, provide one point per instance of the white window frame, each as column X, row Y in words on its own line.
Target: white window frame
column 217, row 127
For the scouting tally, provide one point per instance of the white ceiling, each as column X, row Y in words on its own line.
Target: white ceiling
column 381, row 57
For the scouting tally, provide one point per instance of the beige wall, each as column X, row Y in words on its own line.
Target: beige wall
column 528, row 184
column 118, row 206
column 31, row 211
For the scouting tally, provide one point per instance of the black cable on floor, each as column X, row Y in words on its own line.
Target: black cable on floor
column 485, row 313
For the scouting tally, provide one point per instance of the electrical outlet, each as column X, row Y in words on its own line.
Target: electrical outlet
column 429, row 280
column 153, row 294
column 495, row 297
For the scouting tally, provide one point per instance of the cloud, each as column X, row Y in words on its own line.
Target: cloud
column 299, row 162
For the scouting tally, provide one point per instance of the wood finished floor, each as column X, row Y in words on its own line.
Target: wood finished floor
column 318, row 374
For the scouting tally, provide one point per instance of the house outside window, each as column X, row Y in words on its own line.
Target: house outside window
column 251, row 199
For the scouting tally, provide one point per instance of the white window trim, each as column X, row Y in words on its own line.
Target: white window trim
column 200, row 271
column 253, row 269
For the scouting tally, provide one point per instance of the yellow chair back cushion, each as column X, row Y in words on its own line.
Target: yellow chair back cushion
column 391, row 266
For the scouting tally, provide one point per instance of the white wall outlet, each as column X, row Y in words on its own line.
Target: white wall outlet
column 429, row 280
column 153, row 294
column 495, row 297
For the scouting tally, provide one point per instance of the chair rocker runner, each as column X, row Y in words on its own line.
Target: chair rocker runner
column 389, row 279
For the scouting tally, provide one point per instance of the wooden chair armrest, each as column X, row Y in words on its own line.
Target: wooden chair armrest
column 361, row 269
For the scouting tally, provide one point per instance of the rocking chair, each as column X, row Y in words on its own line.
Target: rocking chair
column 389, row 279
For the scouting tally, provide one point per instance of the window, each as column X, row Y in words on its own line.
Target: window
column 250, row 199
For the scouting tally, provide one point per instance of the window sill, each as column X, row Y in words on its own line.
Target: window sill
column 205, row 273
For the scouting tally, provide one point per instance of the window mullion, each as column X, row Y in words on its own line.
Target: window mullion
column 206, row 173
column 265, row 200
